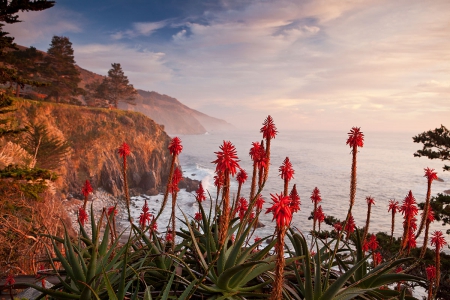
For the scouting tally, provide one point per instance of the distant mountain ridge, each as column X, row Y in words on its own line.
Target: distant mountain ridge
column 176, row 117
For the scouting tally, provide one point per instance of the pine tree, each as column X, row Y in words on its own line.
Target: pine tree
column 61, row 71
column 8, row 15
column 116, row 87
column 436, row 144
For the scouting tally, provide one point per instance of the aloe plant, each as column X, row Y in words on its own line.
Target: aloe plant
column 346, row 278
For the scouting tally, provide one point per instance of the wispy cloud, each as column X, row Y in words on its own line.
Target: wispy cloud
column 139, row 29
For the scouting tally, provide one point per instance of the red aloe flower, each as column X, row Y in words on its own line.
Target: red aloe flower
column 82, row 216
column 438, row 240
column 355, row 138
column 269, row 130
column 10, row 280
column 393, row 205
column 175, row 146
column 370, row 202
column 259, row 203
column 218, row 180
column 112, row 210
column 430, row 217
column 365, row 246
column 87, row 189
column 145, row 217
column 295, row 199
column 337, row 226
column 286, row 170
column 200, row 193
column 257, row 239
column 350, row 226
column 409, row 210
column 286, row 173
column 430, row 174
column 176, row 178
column 319, row 216
column 254, row 151
column 377, row 258
column 198, row 216
column 241, row 176
column 242, row 207
column 169, row 237
column 227, row 160
column 124, row 150
column 431, row 273
column 281, row 210
column 315, row 196
column 373, row 243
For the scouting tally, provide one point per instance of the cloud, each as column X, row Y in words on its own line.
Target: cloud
column 41, row 25
column 139, row 29
column 143, row 67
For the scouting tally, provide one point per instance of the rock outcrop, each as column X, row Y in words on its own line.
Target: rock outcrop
column 95, row 135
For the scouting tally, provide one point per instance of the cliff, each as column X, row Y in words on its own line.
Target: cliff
column 94, row 135
column 176, row 117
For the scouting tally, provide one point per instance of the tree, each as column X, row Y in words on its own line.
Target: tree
column 116, row 87
column 436, row 144
column 48, row 151
column 8, row 15
column 61, row 71
column 7, row 124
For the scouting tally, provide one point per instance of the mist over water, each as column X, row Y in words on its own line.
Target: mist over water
column 386, row 169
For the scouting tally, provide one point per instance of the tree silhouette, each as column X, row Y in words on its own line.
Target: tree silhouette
column 61, row 71
column 116, row 87
column 436, row 144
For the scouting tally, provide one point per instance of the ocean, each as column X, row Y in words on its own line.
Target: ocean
column 386, row 169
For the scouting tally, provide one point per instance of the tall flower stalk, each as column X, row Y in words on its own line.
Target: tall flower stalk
column 315, row 199
column 175, row 149
column 393, row 208
column 430, row 219
column 241, row 178
column 124, row 151
column 370, row 202
column 430, row 175
column 226, row 164
column 355, row 140
column 431, row 277
column 438, row 241
column 86, row 190
column 269, row 132
column 176, row 178
column 295, row 199
column 282, row 213
column 409, row 210
column 82, row 213
column 287, row 174
column 254, row 153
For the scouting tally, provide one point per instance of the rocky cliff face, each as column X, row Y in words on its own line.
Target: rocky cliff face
column 95, row 135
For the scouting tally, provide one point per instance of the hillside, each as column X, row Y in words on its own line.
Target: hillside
column 94, row 135
column 176, row 117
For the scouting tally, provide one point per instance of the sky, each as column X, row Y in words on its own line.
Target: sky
column 310, row 64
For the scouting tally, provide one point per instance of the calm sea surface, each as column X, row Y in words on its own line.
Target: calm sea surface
column 386, row 170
